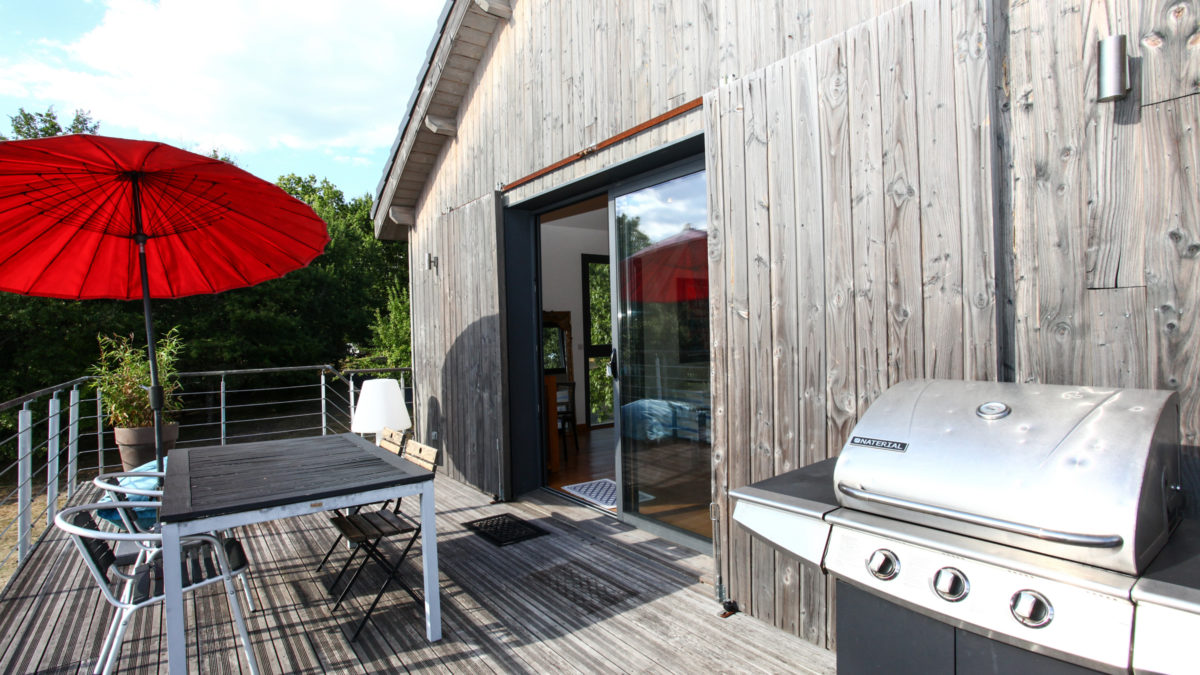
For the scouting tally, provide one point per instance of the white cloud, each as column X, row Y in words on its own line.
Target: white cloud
column 244, row 76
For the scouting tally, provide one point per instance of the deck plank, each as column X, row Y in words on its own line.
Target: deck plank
column 593, row 595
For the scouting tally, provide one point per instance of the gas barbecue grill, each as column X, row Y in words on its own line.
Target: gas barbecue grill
column 1002, row 528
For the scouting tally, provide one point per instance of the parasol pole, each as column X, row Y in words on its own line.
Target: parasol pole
column 156, row 392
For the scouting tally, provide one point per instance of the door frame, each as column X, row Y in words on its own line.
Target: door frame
column 589, row 350
column 521, row 313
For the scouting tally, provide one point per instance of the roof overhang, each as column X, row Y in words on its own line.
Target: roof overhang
column 431, row 119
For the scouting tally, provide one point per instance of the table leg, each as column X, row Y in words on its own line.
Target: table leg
column 429, row 565
column 173, row 582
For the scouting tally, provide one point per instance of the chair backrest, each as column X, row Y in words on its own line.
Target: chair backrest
column 97, row 551
column 393, row 441
column 422, row 455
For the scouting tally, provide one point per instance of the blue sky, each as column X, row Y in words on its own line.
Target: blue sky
column 293, row 86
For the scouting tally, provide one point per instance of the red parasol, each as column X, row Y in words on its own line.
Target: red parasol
column 85, row 217
column 673, row 270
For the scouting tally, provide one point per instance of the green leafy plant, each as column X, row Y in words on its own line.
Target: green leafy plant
column 122, row 376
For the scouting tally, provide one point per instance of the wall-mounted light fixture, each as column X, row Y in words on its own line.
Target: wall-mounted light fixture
column 431, row 261
column 1113, row 62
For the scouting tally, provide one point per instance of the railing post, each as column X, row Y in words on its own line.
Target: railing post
column 53, row 427
column 222, row 408
column 99, row 433
column 24, row 479
column 324, row 422
column 351, row 380
column 73, row 442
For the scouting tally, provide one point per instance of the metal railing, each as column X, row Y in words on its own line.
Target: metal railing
column 44, row 461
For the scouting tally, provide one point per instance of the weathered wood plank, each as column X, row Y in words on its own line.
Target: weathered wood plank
column 868, row 240
column 833, row 123
column 784, row 316
column 1173, row 254
column 973, row 114
column 901, row 215
column 758, row 304
column 736, row 279
column 941, row 220
column 1023, row 71
column 810, row 300
column 714, row 129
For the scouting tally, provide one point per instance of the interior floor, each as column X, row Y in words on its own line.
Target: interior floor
column 594, row 459
column 668, row 492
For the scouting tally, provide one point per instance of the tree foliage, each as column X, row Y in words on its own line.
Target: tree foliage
column 26, row 125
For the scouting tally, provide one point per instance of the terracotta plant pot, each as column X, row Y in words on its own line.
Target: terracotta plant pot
column 137, row 443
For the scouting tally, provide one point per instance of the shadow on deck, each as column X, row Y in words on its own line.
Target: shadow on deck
column 593, row 596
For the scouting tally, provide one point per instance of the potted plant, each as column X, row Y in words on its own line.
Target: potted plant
column 122, row 377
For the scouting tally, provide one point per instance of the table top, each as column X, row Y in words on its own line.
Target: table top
column 219, row 479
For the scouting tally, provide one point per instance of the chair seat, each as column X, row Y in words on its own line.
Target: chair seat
column 362, row 527
column 199, row 565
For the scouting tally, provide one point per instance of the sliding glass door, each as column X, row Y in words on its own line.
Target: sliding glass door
column 660, row 282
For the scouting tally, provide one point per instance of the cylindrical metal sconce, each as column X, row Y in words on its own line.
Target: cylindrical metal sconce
column 1113, row 78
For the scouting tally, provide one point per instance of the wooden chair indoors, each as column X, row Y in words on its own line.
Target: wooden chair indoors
column 566, row 413
column 366, row 529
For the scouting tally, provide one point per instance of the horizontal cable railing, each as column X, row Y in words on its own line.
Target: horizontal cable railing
column 54, row 438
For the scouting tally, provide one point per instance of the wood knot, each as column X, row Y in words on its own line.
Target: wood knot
column 1179, row 12
column 1153, row 40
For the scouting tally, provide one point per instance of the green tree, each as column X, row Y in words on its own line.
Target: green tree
column 26, row 125
column 319, row 314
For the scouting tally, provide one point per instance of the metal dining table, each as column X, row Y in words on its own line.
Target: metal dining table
column 220, row 487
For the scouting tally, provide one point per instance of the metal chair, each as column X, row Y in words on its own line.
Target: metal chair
column 366, row 529
column 140, row 486
column 206, row 560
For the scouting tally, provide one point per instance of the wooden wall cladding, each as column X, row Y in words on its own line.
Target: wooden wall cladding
column 458, row 378
column 850, row 223
column 1105, row 207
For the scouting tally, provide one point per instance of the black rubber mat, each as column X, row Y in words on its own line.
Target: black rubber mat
column 504, row 529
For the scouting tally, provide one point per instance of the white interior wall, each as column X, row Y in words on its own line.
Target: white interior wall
column 563, row 242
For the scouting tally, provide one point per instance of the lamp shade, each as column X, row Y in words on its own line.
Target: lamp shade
column 380, row 404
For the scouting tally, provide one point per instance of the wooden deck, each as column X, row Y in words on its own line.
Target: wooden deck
column 592, row 596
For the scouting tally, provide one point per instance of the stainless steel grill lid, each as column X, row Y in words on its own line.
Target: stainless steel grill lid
column 1084, row 473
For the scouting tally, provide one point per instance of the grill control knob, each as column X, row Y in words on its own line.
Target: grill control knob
column 1031, row 608
column 950, row 584
column 883, row 564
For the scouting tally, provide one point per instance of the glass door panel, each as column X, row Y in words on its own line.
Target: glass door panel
column 662, row 353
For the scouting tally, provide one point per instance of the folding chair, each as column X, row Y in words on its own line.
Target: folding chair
column 206, row 560
column 394, row 442
column 366, row 529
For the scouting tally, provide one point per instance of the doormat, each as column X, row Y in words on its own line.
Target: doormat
column 602, row 492
column 504, row 529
